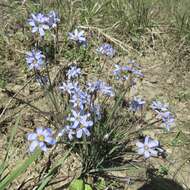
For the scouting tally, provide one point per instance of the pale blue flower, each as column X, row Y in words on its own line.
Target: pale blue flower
column 73, row 72
column 106, row 90
column 137, row 104
column 79, row 118
column 40, row 139
column 148, row 148
column 106, row 49
column 80, row 123
column 67, row 130
column 94, row 86
column 82, row 131
column 53, row 19
column 158, row 106
column 35, row 59
column 77, row 36
column 70, row 87
column 38, row 22
column 79, row 99
column 121, row 72
column 163, row 113
column 100, row 86
column 167, row 119
column 134, row 67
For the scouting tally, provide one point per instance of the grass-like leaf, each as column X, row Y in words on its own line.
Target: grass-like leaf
column 19, row 170
column 4, row 164
column 52, row 172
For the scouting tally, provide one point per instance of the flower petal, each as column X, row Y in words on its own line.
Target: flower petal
column 39, row 131
column 79, row 133
column 50, row 140
column 86, row 131
column 140, row 151
column 33, row 145
column 146, row 140
column 46, row 27
column 140, row 144
column 70, row 135
column 75, row 125
column 146, row 154
column 47, row 132
column 34, row 29
column 41, row 31
column 153, row 143
column 153, row 152
column 32, row 136
column 43, row 147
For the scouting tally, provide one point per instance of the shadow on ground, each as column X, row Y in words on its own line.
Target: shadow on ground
column 158, row 183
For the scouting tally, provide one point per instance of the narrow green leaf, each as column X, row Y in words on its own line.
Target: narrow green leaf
column 4, row 164
column 13, row 132
column 51, row 172
column 19, row 170
column 45, row 182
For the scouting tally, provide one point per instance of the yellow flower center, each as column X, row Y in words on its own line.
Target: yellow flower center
column 82, row 126
column 41, row 138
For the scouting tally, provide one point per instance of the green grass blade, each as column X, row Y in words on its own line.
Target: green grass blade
column 13, row 132
column 4, row 164
column 52, row 171
column 45, row 182
column 19, row 170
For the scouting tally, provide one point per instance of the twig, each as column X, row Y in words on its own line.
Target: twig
column 7, row 105
column 114, row 40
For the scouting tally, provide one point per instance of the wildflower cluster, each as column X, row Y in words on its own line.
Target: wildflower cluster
column 151, row 147
column 83, row 98
column 84, row 111
column 35, row 60
column 40, row 22
column 160, row 109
